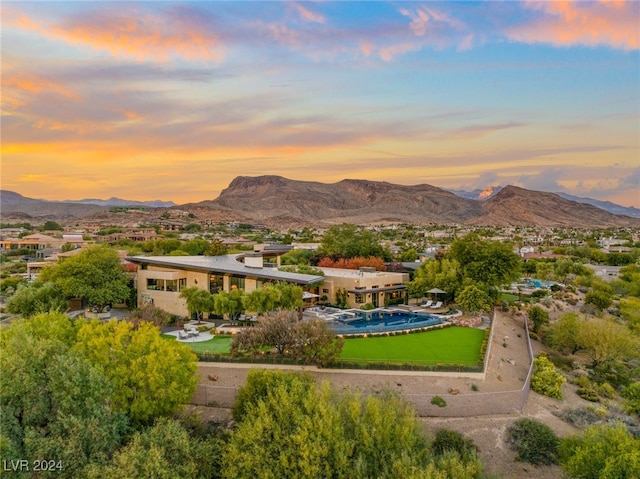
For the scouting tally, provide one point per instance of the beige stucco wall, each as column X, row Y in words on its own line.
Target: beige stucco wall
column 171, row 301
column 336, row 279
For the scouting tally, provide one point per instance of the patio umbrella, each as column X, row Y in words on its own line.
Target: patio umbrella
column 436, row 292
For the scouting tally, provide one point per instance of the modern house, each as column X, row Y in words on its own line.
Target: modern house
column 364, row 286
column 161, row 278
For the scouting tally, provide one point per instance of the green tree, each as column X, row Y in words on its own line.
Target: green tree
column 341, row 298
column 260, row 382
column 289, row 428
column 216, row 248
column 601, row 452
column 408, row 256
column 37, row 298
column 198, row 301
column 67, row 247
column 563, row 334
column 151, row 376
column 262, row 300
column 630, row 312
column 95, row 275
column 539, row 317
column 163, row 451
column 53, row 402
column 488, row 262
column 444, row 274
column 196, row 246
column 607, row 340
column 290, row 295
column 384, row 432
column 600, row 298
column 351, row 241
column 297, row 256
column 52, row 226
column 291, row 432
column 472, row 298
column 231, row 303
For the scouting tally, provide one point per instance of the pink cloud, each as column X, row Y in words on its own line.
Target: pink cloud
column 568, row 22
column 132, row 34
column 308, row 15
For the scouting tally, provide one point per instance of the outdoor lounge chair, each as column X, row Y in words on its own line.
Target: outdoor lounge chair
column 437, row 305
column 427, row 304
column 182, row 335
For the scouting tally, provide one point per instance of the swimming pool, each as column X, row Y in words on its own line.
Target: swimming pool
column 380, row 321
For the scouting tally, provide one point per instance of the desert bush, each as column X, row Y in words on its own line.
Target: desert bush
column 438, row 401
column 546, row 380
column 580, row 417
column 632, row 395
column 534, row 442
column 601, row 451
column 589, row 393
column 448, row 440
column 606, row 390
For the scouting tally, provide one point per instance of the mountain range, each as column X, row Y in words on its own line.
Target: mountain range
column 603, row 205
column 280, row 202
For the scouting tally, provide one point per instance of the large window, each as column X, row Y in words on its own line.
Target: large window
column 237, row 281
column 216, row 283
column 171, row 285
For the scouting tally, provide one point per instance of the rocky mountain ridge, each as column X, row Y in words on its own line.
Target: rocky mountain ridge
column 276, row 201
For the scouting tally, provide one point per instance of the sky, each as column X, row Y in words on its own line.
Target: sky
column 173, row 100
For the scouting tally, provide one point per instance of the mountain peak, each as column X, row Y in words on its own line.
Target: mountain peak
column 488, row 192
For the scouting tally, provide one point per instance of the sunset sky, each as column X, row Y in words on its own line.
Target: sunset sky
column 171, row 101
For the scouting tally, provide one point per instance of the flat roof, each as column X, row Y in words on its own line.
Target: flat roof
column 356, row 273
column 376, row 290
column 225, row 264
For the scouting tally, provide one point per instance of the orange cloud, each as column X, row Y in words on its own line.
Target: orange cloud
column 36, row 84
column 132, row 35
column 565, row 23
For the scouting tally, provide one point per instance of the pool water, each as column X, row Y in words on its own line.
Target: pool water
column 380, row 321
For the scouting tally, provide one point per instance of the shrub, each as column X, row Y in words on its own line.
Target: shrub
column 632, row 395
column 448, row 440
column 534, row 442
column 589, row 393
column 601, row 451
column 580, row 417
column 606, row 390
column 546, row 380
column 438, row 401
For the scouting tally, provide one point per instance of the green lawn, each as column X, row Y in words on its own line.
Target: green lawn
column 219, row 344
column 449, row 345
